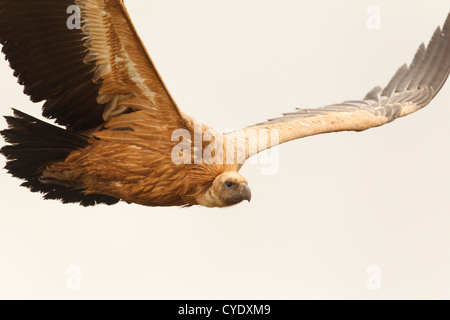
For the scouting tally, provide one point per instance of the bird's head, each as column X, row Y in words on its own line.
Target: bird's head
column 228, row 189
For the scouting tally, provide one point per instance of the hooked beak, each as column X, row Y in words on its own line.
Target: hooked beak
column 246, row 193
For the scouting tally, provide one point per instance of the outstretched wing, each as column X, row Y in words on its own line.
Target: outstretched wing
column 87, row 73
column 411, row 89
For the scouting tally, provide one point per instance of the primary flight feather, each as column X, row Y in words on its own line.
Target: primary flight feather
column 120, row 141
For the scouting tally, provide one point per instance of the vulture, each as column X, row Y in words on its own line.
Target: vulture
column 120, row 136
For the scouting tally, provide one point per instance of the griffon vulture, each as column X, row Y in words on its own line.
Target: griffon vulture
column 99, row 82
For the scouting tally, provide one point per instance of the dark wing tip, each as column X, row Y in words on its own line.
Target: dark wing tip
column 48, row 60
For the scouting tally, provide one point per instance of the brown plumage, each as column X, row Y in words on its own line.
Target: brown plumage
column 100, row 83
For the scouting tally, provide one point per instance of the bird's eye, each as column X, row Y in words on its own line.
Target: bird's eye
column 229, row 184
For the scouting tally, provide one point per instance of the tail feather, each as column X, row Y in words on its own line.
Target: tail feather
column 34, row 144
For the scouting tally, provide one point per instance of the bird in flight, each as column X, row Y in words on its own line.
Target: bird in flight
column 124, row 137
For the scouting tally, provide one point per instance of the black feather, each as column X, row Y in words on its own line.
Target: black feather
column 33, row 144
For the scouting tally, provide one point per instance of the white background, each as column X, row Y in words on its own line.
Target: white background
column 338, row 204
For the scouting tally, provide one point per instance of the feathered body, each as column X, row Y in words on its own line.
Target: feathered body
column 136, row 172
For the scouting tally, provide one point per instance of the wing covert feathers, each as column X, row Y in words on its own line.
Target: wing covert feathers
column 85, row 75
column 409, row 90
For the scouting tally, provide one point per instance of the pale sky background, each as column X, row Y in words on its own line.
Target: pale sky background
column 338, row 204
